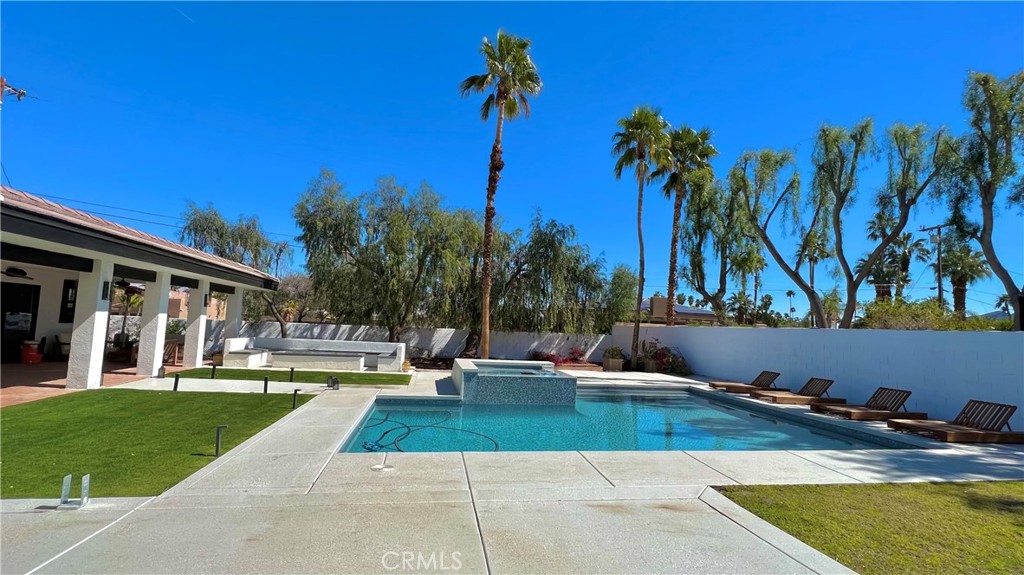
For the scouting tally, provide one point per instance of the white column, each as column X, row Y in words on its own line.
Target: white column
column 233, row 314
column 195, row 325
column 89, row 337
column 154, row 326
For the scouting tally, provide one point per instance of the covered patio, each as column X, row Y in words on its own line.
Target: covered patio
column 60, row 268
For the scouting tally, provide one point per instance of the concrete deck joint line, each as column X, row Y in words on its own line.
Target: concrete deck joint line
column 715, row 495
column 596, row 469
column 726, row 475
column 94, row 534
column 476, row 516
column 797, row 453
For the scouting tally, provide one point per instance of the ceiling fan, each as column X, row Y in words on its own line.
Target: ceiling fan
column 13, row 272
column 128, row 287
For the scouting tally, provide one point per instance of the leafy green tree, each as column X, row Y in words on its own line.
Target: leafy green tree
column 374, row 257
column 509, row 79
column 243, row 241
column 642, row 144
column 987, row 164
column 916, row 159
column 963, row 265
column 691, row 152
column 621, row 289
column 715, row 224
column 766, row 182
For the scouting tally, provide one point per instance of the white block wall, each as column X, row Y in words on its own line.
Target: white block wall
column 944, row 369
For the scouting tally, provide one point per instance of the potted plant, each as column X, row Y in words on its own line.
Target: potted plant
column 612, row 359
column 649, row 355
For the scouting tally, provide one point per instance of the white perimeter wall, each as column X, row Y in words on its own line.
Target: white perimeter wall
column 422, row 342
column 944, row 369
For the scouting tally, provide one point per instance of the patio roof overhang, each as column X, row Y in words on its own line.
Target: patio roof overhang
column 46, row 233
column 43, row 234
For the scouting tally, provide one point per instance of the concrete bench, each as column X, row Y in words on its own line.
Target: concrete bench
column 384, row 356
column 317, row 360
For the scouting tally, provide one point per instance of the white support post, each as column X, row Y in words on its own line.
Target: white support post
column 89, row 336
column 154, row 326
column 233, row 314
column 195, row 327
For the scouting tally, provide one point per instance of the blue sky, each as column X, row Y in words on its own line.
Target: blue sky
column 144, row 106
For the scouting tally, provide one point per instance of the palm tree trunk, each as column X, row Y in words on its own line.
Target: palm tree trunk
column 670, row 312
column 959, row 298
column 640, row 283
column 492, row 187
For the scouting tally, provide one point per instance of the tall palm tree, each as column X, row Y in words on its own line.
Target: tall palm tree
column 691, row 152
column 906, row 249
column 510, row 77
column 642, row 144
column 1003, row 305
column 790, row 293
column 881, row 277
column 963, row 265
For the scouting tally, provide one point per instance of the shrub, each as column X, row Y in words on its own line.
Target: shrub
column 577, row 354
column 613, row 352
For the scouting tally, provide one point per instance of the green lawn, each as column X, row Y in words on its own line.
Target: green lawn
column 301, row 376
column 962, row 528
column 132, row 442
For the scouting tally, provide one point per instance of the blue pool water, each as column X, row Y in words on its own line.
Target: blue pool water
column 600, row 421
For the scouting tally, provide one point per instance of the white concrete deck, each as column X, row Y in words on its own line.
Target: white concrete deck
column 286, row 501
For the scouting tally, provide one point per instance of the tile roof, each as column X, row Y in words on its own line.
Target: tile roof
column 10, row 197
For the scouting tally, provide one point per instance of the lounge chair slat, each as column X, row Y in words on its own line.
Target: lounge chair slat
column 815, row 387
column 977, row 422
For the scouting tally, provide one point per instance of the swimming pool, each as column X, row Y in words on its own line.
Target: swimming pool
column 601, row 420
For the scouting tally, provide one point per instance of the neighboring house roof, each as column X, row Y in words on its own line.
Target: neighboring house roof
column 645, row 305
column 12, row 200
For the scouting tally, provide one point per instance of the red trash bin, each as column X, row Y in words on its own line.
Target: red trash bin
column 30, row 352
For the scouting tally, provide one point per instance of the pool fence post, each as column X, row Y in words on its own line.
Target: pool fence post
column 295, row 398
column 65, row 490
column 213, row 372
column 266, row 383
column 176, row 376
column 220, row 431
column 291, row 376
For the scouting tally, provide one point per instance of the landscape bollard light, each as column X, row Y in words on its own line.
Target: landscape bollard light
column 295, row 398
column 213, row 372
column 176, row 376
column 266, row 383
column 220, row 430
column 291, row 376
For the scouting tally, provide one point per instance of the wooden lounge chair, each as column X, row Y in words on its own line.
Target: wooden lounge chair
column 978, row 422
column 884, row 403
column 764, row 380
column 809, row 394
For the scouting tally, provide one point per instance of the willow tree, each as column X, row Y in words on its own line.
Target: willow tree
column 691, row 152
column 987, row 165
column 767, row 184
column 375, row 257
column 510, row 77
column 712, row 239
column 917, row 159
column 642, row 144
column 242, row 241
